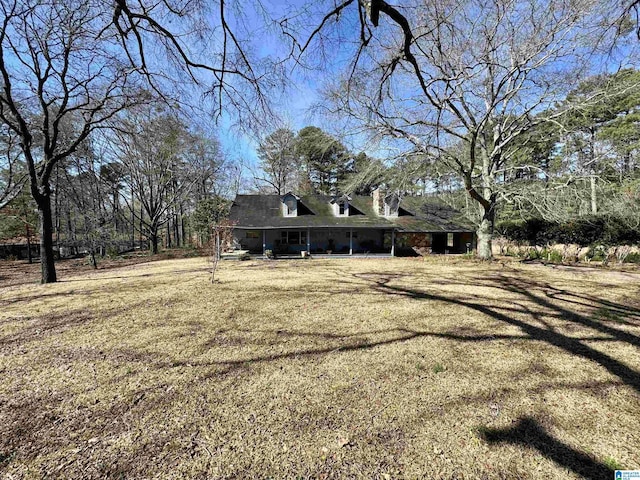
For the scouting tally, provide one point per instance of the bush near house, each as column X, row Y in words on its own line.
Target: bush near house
column 593, row 238
column 584, row 231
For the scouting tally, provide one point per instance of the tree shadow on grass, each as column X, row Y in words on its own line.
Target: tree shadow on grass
column 42, row 326
column 342, row 343
column 533, row 318
column 125, row 276
column 44, row 296
column 529, row 433
column 546, row 333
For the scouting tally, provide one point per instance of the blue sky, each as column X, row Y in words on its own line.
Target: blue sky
column 295, row 114
column 294, row 104
column 301, row 93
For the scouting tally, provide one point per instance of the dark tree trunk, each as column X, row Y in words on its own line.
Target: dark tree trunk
column 176, row 228
column 184, row 240
column 71, row 233
column 133, row 229
column 153, row 237
column 46, row 239
column 116, row 210
column 140, row 231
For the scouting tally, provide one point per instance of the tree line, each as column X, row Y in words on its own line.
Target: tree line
column 582, row 166
column 313, row 161
column 309, row 161
column 147, row 178
column 581, row 160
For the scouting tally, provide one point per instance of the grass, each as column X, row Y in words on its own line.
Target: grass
column 438, row 367
column 394, row 368
column 613, row 464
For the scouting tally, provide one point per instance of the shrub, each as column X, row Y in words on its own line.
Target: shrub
column 597, row 253
column 632, row 258
column 244, row 256
column 583, row 231
column 191, row 251
column 550, row 255
column 554, row 256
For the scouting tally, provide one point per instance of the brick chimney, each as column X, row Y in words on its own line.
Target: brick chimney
column 378, row 201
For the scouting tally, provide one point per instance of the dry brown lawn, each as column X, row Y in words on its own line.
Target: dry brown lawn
column 394, row 368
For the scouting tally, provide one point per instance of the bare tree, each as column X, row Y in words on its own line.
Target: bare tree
column 12, row 175
column 152, row 147
column 220, row 56
column 221, row 238
column 90, row 60
column 85, row 194
column 463, row 81
column 60, row 81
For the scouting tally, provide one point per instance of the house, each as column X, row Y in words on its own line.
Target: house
column 343, row 224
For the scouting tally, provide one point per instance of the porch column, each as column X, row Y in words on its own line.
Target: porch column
column 308, row 241
column 393, row 243
column 264, row 242
column 351, row 241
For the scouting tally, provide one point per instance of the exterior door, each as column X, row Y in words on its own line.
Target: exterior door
column 439, row 242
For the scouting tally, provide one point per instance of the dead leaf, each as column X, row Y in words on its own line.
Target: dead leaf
column 343, row 442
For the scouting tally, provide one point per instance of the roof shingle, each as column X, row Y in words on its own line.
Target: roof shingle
column 422, row 214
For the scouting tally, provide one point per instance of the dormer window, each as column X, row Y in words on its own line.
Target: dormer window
column 341, row 205
column 290, row 205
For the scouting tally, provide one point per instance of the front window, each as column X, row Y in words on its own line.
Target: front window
column 253, row 234
column 449, row 239
column 293, row 237
column 342, row 208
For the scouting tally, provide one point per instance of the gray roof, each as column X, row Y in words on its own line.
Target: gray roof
column 417, row 214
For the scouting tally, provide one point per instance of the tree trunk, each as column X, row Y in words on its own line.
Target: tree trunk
column 133, row 230
column 594, row 198
column 153, row 237
column 485, row 235
column 592, row 179
column 116, row 211
column 182, row 233
column 29, row 257
column 46, row 239
column 140, row 229
column 216, row 255
column 176, row 228
column 71, row 232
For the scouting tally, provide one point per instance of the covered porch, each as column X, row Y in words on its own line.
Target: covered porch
column 323, row 241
